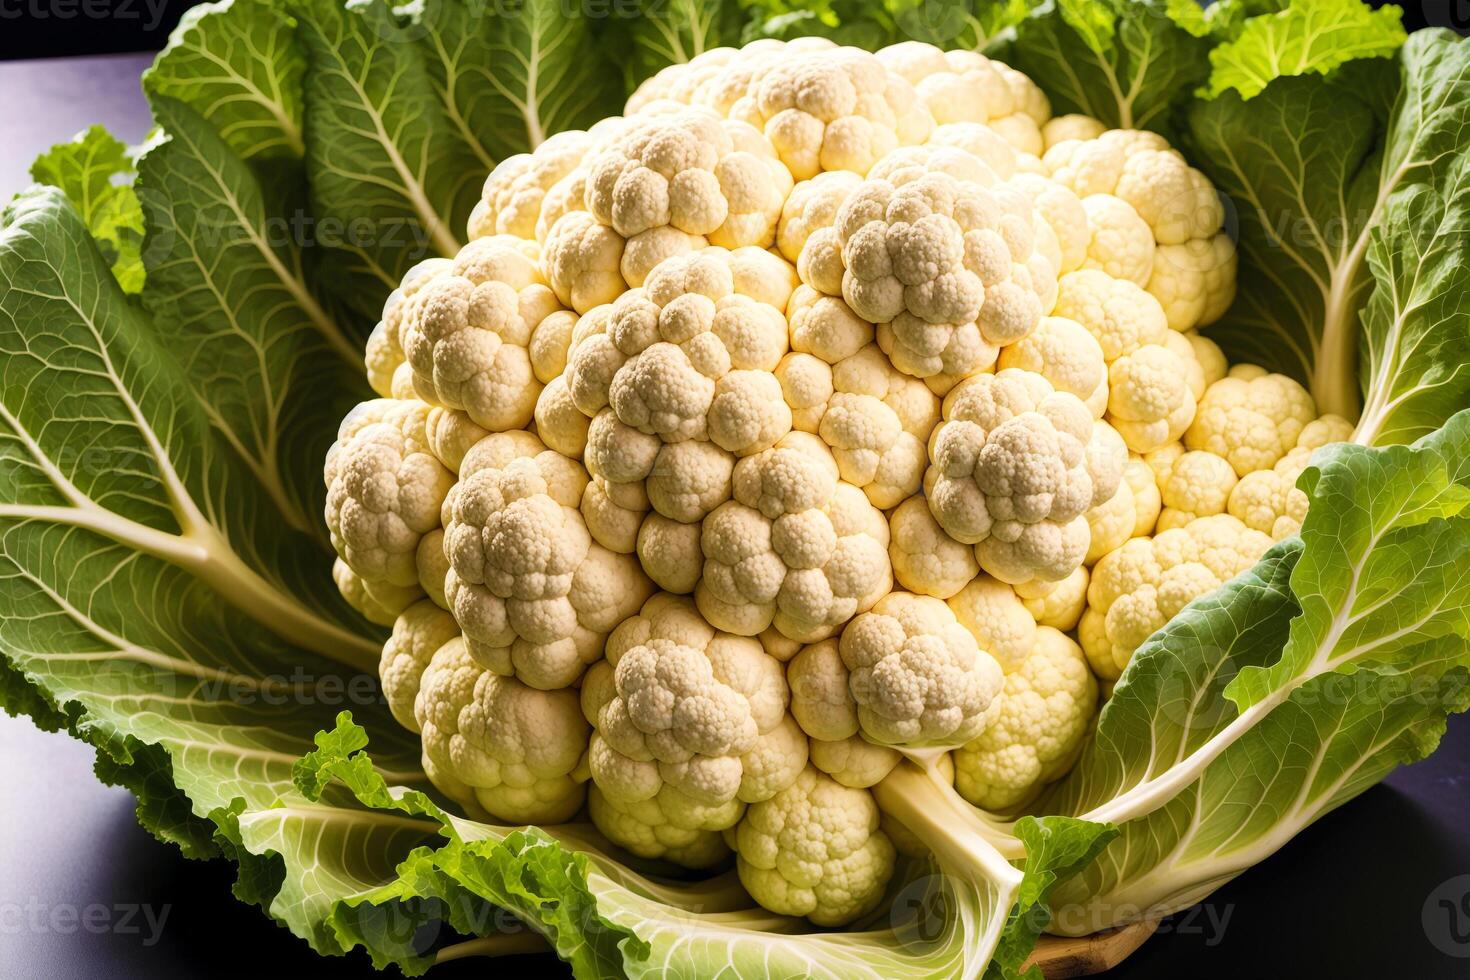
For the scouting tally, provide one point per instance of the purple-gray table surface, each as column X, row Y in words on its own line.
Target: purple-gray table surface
column 1368, row 892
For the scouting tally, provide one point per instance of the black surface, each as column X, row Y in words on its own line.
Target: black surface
column 1346, row 899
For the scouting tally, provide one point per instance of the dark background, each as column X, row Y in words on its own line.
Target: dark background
column 1355, row 896
column 52, row 28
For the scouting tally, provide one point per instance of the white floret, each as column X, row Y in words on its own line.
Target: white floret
column 797, row 548
column 534, row 594
column 1014, row 467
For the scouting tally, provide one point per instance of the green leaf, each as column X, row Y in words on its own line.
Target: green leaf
column 659, row 33
column 1126, row 63
column 95, row 172
column 240, row 65
column 387, row 167
column 1056, row 849
column 228, row 288
column 510, row 80
column 1336, row 201
column 1416, row 328
column 1307, row 36
column 1286, row 693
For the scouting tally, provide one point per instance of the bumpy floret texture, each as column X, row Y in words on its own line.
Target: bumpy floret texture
column 384, row 490
column 918, row 677
column 1044, row 713
column 1251, row 418
column 815, row 849
column 822, row 107
column 1269, row 500
column 875, row 419
column 533, row 593
column 1141, row 586
column 965, row 86
column 466, row 331
column 493, row 742
column 1155, row 220
column 798, row 548
column 1014, row 468
column 677, row 377
column 946, row 268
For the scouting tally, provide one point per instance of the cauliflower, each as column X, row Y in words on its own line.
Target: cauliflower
column 1132, row 512
column 917, row 676
column 1014, row 467
column 965, row 86
column 1141, row 586
column 815, row 850
column 1156, row 220
column 906, row 674
column 513, row 195
column 1045, row 711
column 467, row 332
column 1061, row 607
column 945, row 268
column 533, row 593
column 1154, row 379
column 1064, row 353
column 384, row 491
column 512, row 749
column 677, row 377
column 875, row 420
column 688, row 716
column 925, row 559
column 386, row 364
column 378, row 602
column 998, row 619
column 1191, row 484
column 854, row 761
column 797, row 548
column 418, row 633
column 1251, row 418
column 666, row 184
column 1269, row 500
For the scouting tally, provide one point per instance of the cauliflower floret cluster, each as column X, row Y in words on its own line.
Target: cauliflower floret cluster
column 946, row 269
column 677, row 377
column 967, row 87
column 1269, row 500
column 691, row 725
column 874, row 419
column 815, row 849
column 828, row 414
column 1155, row 376
column 494, row 744
column 1014, row 468
column 1043, row 715
column 798, row 548
column 533, row 593
column 906, row 674
column 828, row 108
column 385, row 487
column 1141, row 586
column 1154, row 220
